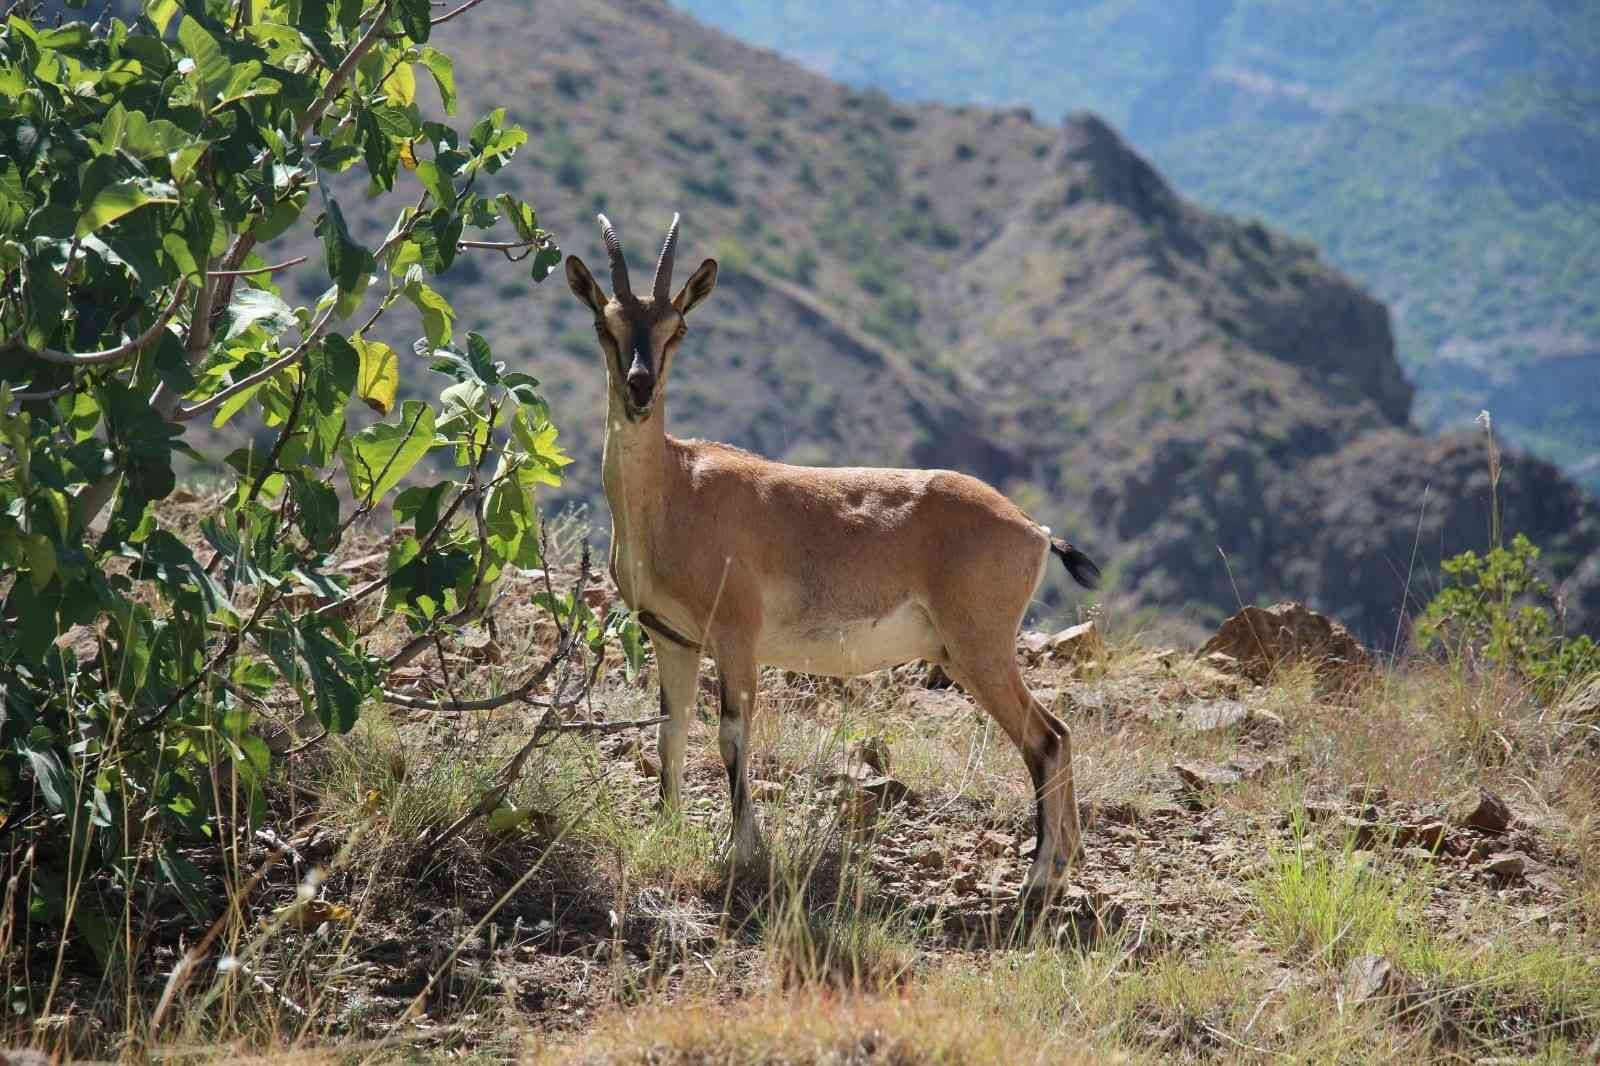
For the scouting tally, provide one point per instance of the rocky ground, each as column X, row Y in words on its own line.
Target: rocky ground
column 1348, row 861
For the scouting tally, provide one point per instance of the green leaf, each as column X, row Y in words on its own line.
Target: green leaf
column 437, row 184
column 377, row 458
column 438, row 317
column 421, row 506
column 41, row 556
column 378, row 380
column 444, row 76
column 524, row 219
column 51, row 776
column 437, row 237
column 121, row 197
column 209, row 62
column 185, row 877
column 416, row 18
column 348, row 262
column 337, row 679
column 72, row 35
column 160, row 13
column 545, row 261
column 317, row 511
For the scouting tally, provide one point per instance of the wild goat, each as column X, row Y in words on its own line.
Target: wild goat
column 837, row 571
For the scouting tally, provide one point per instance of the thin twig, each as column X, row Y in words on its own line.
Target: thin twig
column 270, row 269
column 108, row 355
column 447, row 16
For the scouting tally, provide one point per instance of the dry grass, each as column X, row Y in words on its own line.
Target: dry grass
column 1208, row 924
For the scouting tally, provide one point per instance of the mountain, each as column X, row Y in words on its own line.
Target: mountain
column 1447, row 154
column 971, row 288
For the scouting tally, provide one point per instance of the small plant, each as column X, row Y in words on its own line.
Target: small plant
column 1496, row 609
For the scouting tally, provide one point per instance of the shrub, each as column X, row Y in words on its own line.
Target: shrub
column 141, row 167
column 1496, row 608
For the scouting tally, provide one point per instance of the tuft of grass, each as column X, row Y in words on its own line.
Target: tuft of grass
column 1336, row 905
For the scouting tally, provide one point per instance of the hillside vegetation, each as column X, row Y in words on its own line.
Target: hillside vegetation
column 1443, row 153
column 971, row 288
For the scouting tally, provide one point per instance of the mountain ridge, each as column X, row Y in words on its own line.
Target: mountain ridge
column 960, row 287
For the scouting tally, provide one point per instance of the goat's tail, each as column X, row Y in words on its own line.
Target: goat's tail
column 1079, row 565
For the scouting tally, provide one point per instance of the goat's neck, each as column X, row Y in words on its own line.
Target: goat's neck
column 634, row 473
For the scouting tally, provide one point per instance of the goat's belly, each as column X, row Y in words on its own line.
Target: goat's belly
column 859, row 646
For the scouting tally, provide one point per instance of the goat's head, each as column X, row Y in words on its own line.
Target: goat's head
column 639, row 334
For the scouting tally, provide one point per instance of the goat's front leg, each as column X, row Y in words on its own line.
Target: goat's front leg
column 679, row 670
column 738, row 675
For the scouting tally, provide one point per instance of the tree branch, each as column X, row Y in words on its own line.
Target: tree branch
column 109, row 355
column 505, row 248
column 330, row 92
column 463, row 9
column 271, row 269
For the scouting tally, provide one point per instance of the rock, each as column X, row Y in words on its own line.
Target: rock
column 1375, row 795
column 647, row 764
column 930, row 858
column 861, row 798
column 1507, row 864
column 1259, row 640
column 1321, row 811
column 765, row 791
column 1033, row 645
column 1206, row 716
column 1078, row 644
column 1427, row 835
column 1198, row 776
column 1487, row 814
column 872, row 752
column 479, row 646
column 887, row 790
column 994, row 844
column 1372, row 977
column 1363, row 833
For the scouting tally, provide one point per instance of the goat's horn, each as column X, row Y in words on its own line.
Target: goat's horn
column 619, row 267
column 664, row 264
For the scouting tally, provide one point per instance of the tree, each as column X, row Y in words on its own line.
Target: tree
column 143, row 167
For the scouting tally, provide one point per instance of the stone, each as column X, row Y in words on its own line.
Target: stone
column 871, row 752
column 1426, row 835
column 1376, row 795
column 647, row 764
column 1206, row 716
column 1033, row 645
column 1078, row 644
column 995, row 844
column 1487, row 813
column 1507, row 864
column 1373, row 977
column 765, row 791
column 1198, row 776
column 1261, row 639
column 930, row 858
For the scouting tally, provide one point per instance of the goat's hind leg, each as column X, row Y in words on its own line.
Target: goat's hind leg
column 738, row 675
column 1046, row 747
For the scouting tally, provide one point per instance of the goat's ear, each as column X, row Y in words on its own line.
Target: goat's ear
column 583, row 285
column 697, row 288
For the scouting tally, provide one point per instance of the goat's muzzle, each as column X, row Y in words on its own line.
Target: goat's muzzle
column 641, row 387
